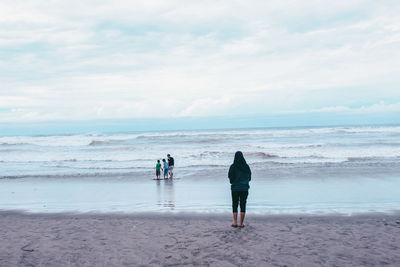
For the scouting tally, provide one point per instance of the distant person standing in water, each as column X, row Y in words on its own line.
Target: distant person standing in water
column 165, row 168
column 158, row 169
column 239, row 176
column 170, row 166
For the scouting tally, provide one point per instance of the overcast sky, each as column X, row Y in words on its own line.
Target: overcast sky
column 85, row 60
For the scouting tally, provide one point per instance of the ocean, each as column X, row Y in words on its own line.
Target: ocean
column 334, row 160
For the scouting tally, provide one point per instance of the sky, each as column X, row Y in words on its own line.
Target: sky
column 133, row 60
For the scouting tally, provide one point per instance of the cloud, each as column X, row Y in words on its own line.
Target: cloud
column 207, row 107
column 130, row 59
column 381, row 107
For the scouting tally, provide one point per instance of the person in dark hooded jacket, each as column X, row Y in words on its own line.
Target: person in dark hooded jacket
column 239, row 176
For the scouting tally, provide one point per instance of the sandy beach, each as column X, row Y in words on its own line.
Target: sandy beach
column 167, row 239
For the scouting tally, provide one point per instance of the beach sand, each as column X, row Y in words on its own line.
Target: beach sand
column 197, row 240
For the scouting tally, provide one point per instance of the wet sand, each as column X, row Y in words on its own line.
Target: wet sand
column 164, row 239
column 200, row 194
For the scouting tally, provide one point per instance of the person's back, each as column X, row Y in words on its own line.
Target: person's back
column 239, row 178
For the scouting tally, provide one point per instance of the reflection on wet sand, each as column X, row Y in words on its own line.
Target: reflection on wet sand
column 165, row 194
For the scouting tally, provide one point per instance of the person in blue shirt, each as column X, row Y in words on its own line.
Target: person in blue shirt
column 165, row 164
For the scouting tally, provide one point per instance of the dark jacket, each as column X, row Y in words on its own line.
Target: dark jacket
column 170, row 161
column 239, row 179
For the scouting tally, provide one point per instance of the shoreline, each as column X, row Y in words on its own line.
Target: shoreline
column 194, row 214
column 171, row 239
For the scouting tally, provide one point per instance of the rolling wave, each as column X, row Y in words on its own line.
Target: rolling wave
column 106, row 142
column 14, row 144
column 360, row 159
column 262, row 155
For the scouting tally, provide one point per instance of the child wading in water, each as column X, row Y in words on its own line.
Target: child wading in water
column 158, row 168
column 165, row 169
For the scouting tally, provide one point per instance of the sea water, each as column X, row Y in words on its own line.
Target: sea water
column 295, row 170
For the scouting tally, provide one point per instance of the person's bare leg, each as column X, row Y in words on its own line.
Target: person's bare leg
column 235, row 217
column 242, row 214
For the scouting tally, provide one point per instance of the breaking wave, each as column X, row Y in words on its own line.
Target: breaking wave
column 261, row 155
column 105, row 142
